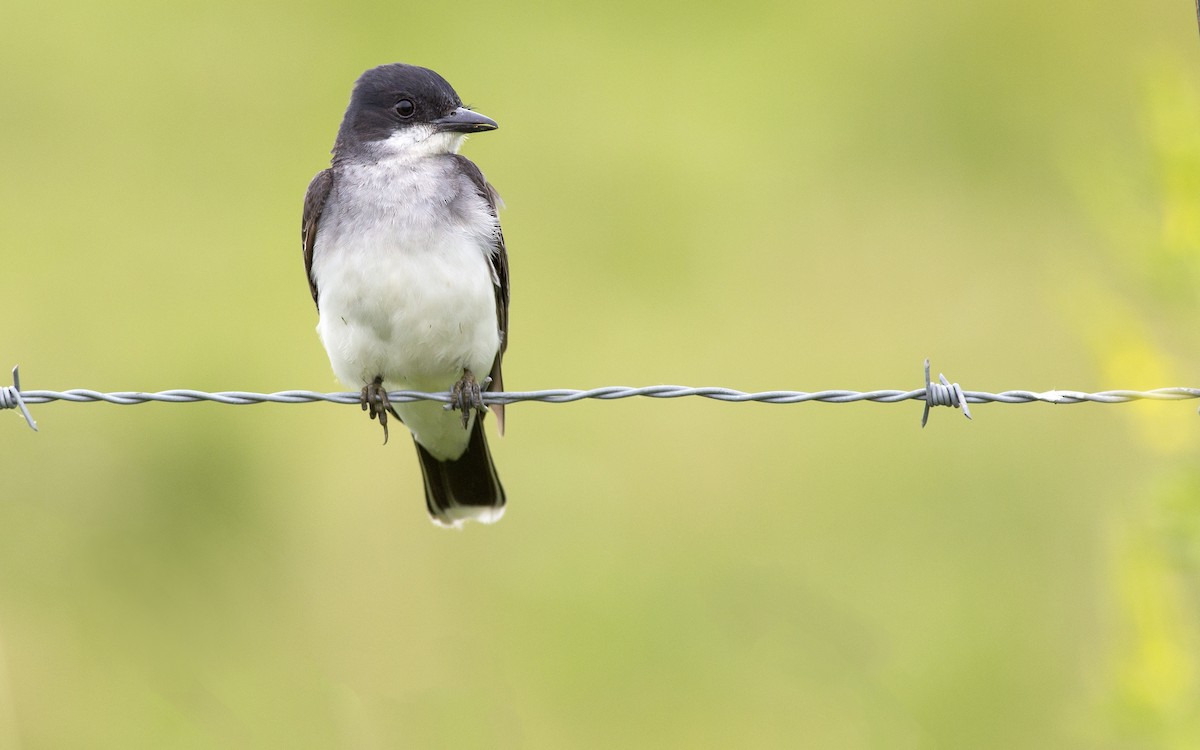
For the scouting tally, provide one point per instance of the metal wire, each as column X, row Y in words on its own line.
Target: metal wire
column 610, row 393
column 941, row 393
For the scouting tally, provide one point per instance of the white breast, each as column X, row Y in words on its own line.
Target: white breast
column 406, row 293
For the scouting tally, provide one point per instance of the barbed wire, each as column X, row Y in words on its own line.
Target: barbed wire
column 935, row 393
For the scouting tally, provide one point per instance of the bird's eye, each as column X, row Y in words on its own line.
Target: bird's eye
column 405, row 108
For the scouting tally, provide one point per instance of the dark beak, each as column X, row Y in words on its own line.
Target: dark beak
column 463, row 120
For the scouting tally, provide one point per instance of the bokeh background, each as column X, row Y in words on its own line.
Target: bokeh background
column 759, row 195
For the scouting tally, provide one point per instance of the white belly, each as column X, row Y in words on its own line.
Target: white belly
column 405, row 286
column 416, row 316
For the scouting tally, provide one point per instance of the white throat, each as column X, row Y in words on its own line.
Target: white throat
column 420, row 141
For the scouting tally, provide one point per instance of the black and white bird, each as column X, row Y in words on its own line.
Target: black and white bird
column 407, row 265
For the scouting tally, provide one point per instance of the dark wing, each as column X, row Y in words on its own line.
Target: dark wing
column 499, row 260
column 314, row 202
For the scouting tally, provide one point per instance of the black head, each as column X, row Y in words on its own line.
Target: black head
column 398, row 97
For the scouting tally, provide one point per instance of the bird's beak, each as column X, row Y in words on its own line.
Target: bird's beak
column 463, row 120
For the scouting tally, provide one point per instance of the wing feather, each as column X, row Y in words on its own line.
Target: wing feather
column 499, row 261
column 314, row 203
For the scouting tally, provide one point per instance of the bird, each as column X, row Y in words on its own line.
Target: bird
column 408, row 268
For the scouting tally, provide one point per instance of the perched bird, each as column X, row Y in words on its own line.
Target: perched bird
column 407, row 265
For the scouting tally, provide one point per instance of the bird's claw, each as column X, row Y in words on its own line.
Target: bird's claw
column 467, row 395
column 375, row 400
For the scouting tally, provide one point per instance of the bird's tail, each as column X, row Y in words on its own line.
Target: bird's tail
column 463, row 489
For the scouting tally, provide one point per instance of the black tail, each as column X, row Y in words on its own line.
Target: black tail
column 463, row 489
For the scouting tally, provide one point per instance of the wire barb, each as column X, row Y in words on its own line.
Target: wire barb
column 944, row 393
column 10, row 398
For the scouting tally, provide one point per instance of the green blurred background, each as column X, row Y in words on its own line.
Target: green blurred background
column 760, row 195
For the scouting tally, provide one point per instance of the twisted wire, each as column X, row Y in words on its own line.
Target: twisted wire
column 611, row 393
column 935, row 393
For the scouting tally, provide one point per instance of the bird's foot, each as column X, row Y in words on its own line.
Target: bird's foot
column 375, row 400
column 467, row 395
